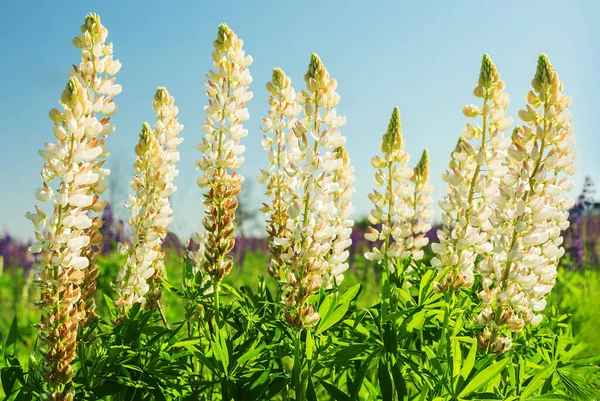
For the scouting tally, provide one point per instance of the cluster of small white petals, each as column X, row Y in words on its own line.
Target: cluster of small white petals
column 313, row 180
column 150, row 207
column 473, row 179
column 393, row 210
column 532, row 209
column 277, row 140
column 227, row 90
column 421, row 200
column 73, row 176
column 338, row 259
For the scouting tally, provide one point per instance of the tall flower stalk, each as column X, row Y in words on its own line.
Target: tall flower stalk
column 228, row 91
column 532, row 212
column 393, row 209
column 313, row 180
column 419, row 224
column 151, row 213
column 473, row 178
column 278, row 139
column 66, row 237
column 342, row 198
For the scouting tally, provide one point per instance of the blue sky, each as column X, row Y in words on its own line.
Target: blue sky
column 420, row 56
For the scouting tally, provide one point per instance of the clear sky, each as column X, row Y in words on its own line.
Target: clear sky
column 420, row 56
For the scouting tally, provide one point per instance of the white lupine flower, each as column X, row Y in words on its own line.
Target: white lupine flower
column 316, row 191
column 150, row 207
column 343, row 223
column 277, row 140
column 473, row 177
column 68, row 240
column 392, row 211
column 421, row 199
column 227, row 90
column 528, row 246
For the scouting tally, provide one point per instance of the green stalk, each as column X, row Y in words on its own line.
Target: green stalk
column 297, row 380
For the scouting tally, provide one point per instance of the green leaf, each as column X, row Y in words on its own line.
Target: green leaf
column 350, row 294
column 360, row 376
column 11, row 339
column 325, row 306
column 335, row 392
column 456, row 357
column 416, row 321
column 469, row 362
column 311, row 395
column 251, row 354
column 399, row 382
column 220, row 351
column 427, row 277
column 484, row 377
column 547, row 397
column 9, row 376
column 385, row 382
column 262, row 378
column 538, row 380
column 110, row 305
column 337, row 315
column 310, row 345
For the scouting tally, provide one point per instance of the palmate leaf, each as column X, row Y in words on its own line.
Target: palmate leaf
column 385, row 381
column 484, row 377
column 538, row 380
column 577, row 389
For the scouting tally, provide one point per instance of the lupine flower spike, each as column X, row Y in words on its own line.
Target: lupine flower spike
column 532, row 211
column 228, row 91
column 151, row 213
column 282, row 117
column 65, row 238
column 338, row 258
column 392, row 210
column 473, row 179
column 313, row 180
column 419, row 224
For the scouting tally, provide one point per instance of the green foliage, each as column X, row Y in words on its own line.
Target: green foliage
column 411, row 343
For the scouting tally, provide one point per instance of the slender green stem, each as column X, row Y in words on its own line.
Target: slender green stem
column 298, row 383
column 217, row 312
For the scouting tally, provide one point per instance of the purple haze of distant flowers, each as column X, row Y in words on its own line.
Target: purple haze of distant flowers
column 15, row 252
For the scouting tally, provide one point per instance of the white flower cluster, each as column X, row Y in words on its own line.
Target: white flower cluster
column 278, row 139
column 63, row 239
column 393, row 209
column 227, row 90
column 421, row 200
column 150, row 207
column 338, row 258
column 317, row 198
column 473, row 179
column 531, row 213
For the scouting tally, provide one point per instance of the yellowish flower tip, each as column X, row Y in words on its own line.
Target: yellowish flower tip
column 545, row 71
column 146, row 130
column 488, row 71
column 342, row 154
column 278, row 77
column 422, row 169
column 73, row 92
column 393, row 136
column 91, row 19
column 224, row 33
column 145, row 139
column 162, row 95
column 314, row 67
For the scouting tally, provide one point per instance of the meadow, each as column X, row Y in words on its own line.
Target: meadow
column 498, row 302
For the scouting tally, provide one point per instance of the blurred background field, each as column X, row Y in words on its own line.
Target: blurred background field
column 577, row 293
